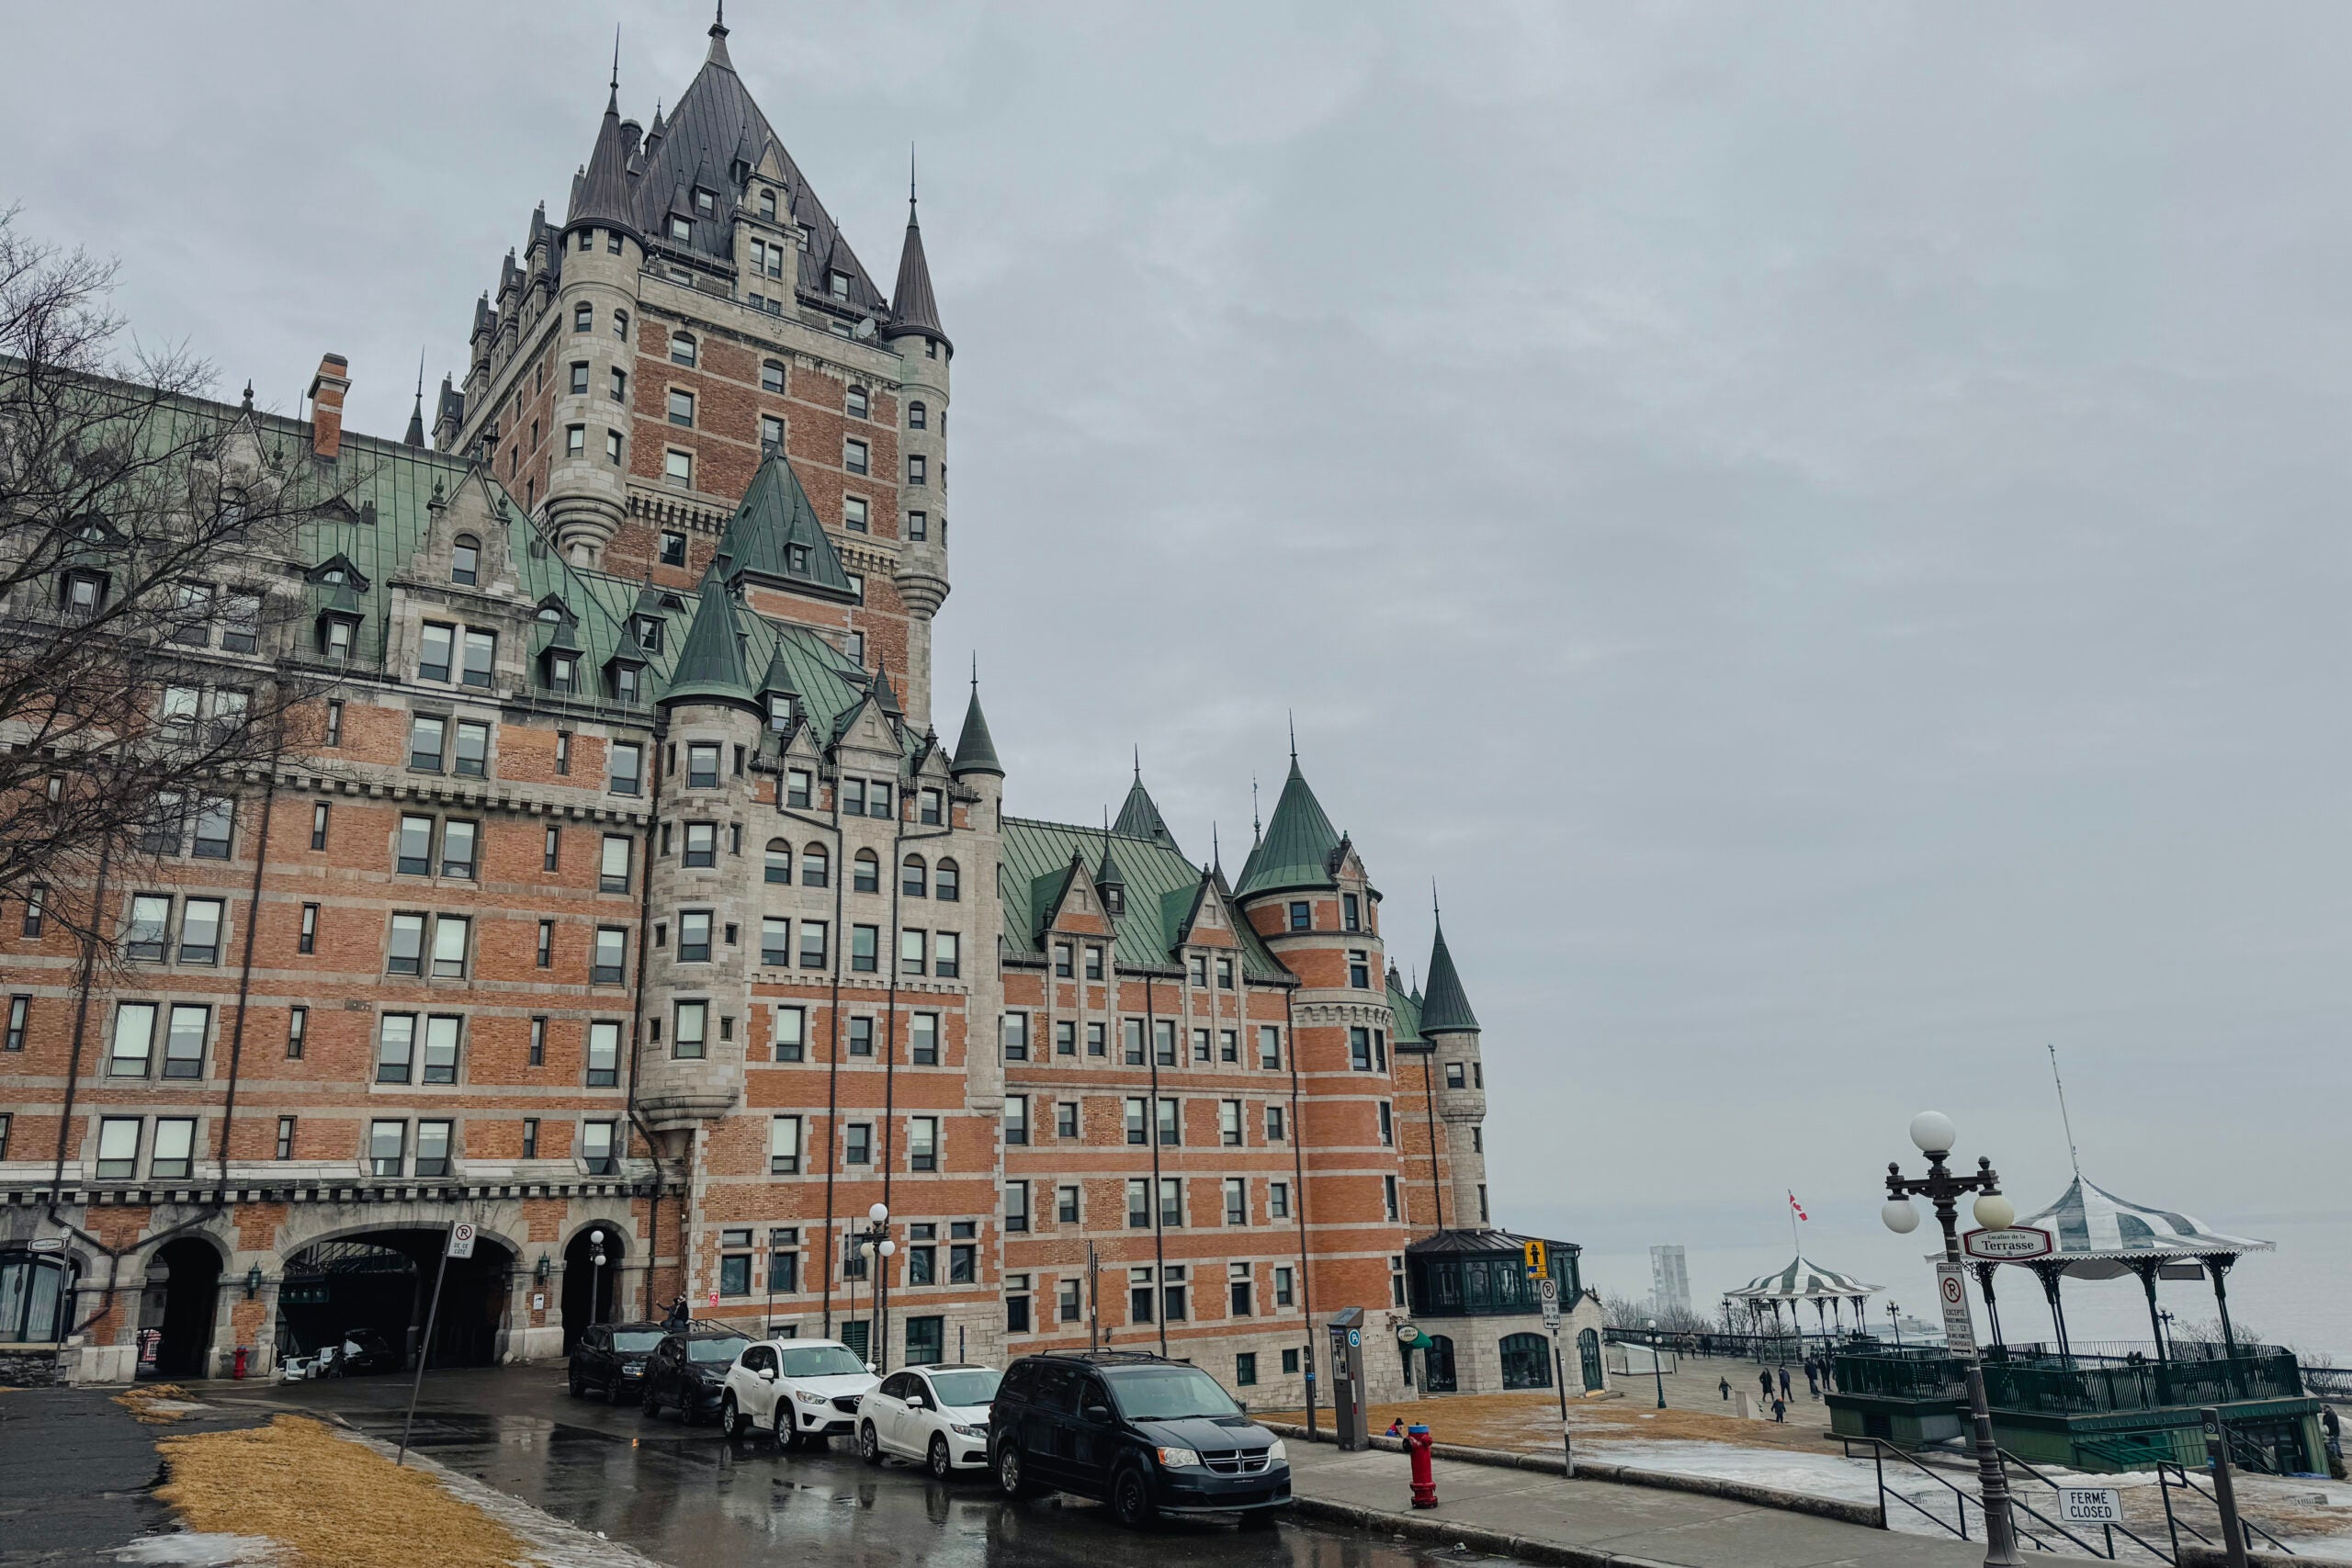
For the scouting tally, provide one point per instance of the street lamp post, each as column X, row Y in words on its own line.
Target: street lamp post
column 1895, row 1317
column 875, row 1243
column 1657, row 1366
column 597, row 1277
column 1933, row 1135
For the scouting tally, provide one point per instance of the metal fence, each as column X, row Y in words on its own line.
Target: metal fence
column 2054, row 1386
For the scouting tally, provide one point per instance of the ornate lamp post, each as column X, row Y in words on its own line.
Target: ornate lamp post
column 597, row 1277
column 875, row 1243
column 1657, row 1366
column 1933, row 1135
column 1894, row 1316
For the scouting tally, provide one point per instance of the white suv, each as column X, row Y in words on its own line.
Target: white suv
column 938, row 1415
column 797, row 1390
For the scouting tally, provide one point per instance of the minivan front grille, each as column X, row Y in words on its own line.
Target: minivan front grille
column 1234, row 1462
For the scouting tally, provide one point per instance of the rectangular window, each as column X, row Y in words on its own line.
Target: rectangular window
column 784, row 1146
column 1014, row 1029
column 1067, row 1302
column 240, row 626
column 863, row 940
column 433, row 1148
column 1388, row 1195
column 1302, row 916
column 471, row 758
column 1224, row 973
column 1273, row 1123
column 183, row 1042
column 694, row 936
column 412, row 850
column 134, row 1047
column 1237, row 1201
column 1360, row 970
column 395, row 1047
column 604, row 1054
column 1173, row 1294
column 1066, row 1205
column 946, row 955
column 215, row 818
column 853, row 513
column 1139, row 1295
column 1062, row 956
column 612, row 868
column 911, row 951
column 450, row 933
column 917, row 468
column 609, row 965
column 530, row 1137
column 1172, row 1121
column 387, row 1148
column 307, row 939
column 297, row 1024
column 457, row 841
column 1065, row 1040
column 427, row 737
column 597, row 1148
column 1066, row 1119
column 688, row 1041
column 1278, row 1199
column 148, row 933
column 1228, row 1123
column 1016, row 1118
column 922, row 1264
column 1196, row 969
column 791, row 1024
column 1360, row 1048
column 1245, row 1362
column 538, row 1057
column 1387, row 1125
column 922, row 1039
column 917, row 525
column 579, row 372
column 702, row 766
column 1228, row 1046
column 681, row 408
column 628, row 768
column 775, row 940
column 1172, row 1202
column 1096, row 1040
column 550, row 849
column 435, row 651
column 1163, row 1042
column 334, row 722
column 405, row 951
column 482, row 655
column 1284, row 1296
column 1138, row 1111
column 545, row 954
column 783, row 1268
column 857, row 1147
column 1016, row 1206
column 441, row 1037
column 854, row 457
column 702, row 844
column 1094, row 963
column 319, row 826
column 1138, row 1203
column 812, row 944
column 1131, row 1041
column 1454, row 1079
column 118, row 1147
column 678, row 468
column 923, row 1143
column 861, row 1037
column 1200, row 1044
column 285, row 1138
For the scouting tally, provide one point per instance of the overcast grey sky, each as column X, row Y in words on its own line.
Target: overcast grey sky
column 1821, row 526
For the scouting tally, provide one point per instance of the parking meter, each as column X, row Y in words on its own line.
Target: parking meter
column 1349, row 1418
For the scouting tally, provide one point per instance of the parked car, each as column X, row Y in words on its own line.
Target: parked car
column 1147, row 1435
column 610, row 1359
column 938, row 1415
column 688, row 1369
column 359, row 1351
column 799, row 1391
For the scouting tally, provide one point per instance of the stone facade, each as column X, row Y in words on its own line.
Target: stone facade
column 629, row 892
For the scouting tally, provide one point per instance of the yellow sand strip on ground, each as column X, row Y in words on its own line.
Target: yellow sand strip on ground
column 332, row 1504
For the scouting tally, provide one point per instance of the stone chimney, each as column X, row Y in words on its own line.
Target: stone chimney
column 327, row 389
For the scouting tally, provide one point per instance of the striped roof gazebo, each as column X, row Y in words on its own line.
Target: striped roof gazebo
column 1801, row 1280
column 2095, row 1235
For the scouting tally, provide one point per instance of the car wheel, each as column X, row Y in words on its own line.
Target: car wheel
column 1009, row 1479
column 613, row 1390
column 1131, row 1497
column 648, row 1405
column 869, row 1443
column 942, row 1466
column 730, row 1419
column 787, row 1432
column 576, row 1388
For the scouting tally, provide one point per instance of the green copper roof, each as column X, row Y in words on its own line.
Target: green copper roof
column 1407, row 1011
column 1445, row 1010
column 1297, row 850
column 975, row 748
column 1140, row 818
column 711, row 664
column 1161, row 887
column 775, row 533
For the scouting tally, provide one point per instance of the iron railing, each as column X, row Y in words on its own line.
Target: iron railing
column 2059, row 1386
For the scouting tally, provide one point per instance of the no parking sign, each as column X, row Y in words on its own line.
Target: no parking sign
column 461, row 1239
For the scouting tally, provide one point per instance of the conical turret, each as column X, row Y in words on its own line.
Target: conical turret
column 711, row 665
column 1139, row 817
column 1297, row 850
column 913, row 308
column 1445, row 1010
column 976, row 749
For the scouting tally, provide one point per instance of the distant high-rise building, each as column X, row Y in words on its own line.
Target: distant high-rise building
column 1669, row 1279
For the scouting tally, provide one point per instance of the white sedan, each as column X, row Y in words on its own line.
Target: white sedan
column 938, row 1415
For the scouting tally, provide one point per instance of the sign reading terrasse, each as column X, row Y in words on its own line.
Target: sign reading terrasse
column 2009, row 1246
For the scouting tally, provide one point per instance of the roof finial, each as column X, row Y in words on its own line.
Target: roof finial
column 2064, row 1120
column 1293, row 735
column 249, row 394
column 719, row 27
column 976, row 672
column 1139, row 745
column 1217, row 855
column 616, row 102
column 1257, row 833
column 1435, row 913
column 911, row 182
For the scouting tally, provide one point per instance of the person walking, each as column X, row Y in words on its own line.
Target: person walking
column 1812, row 1380
column 1781, row 1411
column 1764, row 1379
column 1785, row 1382
column 1726, row 1388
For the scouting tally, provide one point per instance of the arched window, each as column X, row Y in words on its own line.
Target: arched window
column 816, row 866
column 1437, row 1375
column 779, row 861
column 944, row 883
column 865, row 871
column 465, row 560
column 584, row 316
column 917, row 415
column 913, row 880
column 682, row 349
column 620, row 325
column 1527, row 1361
column 857, row 403
column 772, row 376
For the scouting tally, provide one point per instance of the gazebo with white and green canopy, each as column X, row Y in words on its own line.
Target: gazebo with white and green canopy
column 1801, row 1280
column 2095, row 1235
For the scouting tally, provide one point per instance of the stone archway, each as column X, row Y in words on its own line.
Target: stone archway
column 381, row 1280
column 590, row 1291
column 181, row 1301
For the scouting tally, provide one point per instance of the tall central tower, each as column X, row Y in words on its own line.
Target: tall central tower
column 696, row 311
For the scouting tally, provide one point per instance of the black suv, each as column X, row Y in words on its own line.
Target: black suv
column 688, row 1369
column 1147, row 1435
column 610, row 1359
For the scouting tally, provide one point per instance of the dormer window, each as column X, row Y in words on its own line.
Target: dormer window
column 333, row 577
column 768, row 203
column 796, row 558
column 706, row 203
column 465, row 560
column 681, row 229
column 779, row 712
column 648, row 633
column 336, row 635
column 563, row 672
column 551, row 613
column 625, row 678
column 837, row 285
column 85, row 591
column 1114, row 901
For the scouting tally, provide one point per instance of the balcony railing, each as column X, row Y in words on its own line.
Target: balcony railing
column 2059, row 1386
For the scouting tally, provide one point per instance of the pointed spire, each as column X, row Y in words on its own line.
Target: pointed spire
column 883, row 694
column 913, row 308
column 1298, row 846
column 1139, row 816
column 603, row 195
column 1109, row 875
column 612, row 104
column 976, row 749
column 1445, row 1011
column 718, row 55
column 415, row 436
column 1257, row 832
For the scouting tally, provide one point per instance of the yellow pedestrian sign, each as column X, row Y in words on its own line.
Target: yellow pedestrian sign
column 1538, row 1264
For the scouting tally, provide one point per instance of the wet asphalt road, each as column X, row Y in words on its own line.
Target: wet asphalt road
column 685, row 1496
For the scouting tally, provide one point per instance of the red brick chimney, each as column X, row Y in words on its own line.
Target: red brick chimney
column 327, row 389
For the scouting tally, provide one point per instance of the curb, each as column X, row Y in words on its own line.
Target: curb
column 1847, row 1513
column 1497, row 1544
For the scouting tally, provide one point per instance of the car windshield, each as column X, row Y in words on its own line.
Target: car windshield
column 958, row 1389
column 714, row 1352
column 637, row 1342
column 1169, row 1394
column 818, row 1360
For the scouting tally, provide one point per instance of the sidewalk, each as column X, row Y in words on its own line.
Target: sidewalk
column 1544, row 1518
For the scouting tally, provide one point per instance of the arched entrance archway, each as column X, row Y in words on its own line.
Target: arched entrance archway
column 182, row 1295
column 1527, row 1360
column 1439, row 1377
column 383, row 1282
column 589, row 1288
column 1589, row 1358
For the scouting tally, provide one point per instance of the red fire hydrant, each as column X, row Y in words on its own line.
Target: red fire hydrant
column 1416, row 1448
column 243, row 1353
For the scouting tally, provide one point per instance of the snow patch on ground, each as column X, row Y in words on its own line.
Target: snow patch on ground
column 191, row 1548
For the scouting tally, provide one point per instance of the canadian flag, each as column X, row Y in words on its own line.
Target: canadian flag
column 1797, row 1206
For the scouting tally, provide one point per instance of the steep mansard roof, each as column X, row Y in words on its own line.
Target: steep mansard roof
column 1297, row 849
column 775, row 534
column 1161, row 888
column 1406, row 1010
column 1444, row 1008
